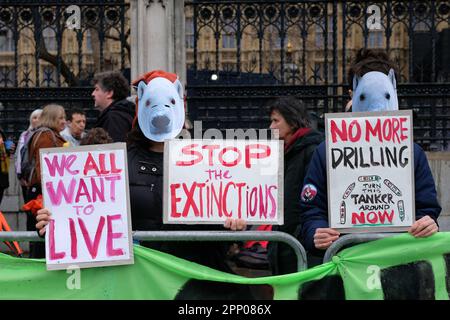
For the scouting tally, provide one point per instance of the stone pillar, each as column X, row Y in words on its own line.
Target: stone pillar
column 440, row 169
column 158, row 37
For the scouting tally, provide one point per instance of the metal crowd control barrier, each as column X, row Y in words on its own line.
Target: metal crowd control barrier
column 355, row 238
column 192, row 236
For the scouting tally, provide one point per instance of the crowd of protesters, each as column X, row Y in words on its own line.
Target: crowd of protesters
column 120, row 121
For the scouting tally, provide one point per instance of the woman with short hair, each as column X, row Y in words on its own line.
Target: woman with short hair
column 290, row 117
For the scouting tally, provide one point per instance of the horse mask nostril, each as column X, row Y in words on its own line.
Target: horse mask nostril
column 160, row 121
column 362, row 97
column 388, row 96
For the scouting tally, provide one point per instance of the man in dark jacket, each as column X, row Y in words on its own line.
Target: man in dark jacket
column 116, row 112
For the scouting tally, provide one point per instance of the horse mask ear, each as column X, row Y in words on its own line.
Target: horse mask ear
column 179, row 88
column 391, row 76
column 356, row 80
column 141, row 88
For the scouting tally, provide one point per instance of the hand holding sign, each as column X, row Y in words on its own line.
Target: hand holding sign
column 424, row 227
column 42, row 218
column 235, row 224
column 324, row 237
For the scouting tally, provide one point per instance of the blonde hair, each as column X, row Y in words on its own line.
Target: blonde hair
column 49, row 116
column 35, row 113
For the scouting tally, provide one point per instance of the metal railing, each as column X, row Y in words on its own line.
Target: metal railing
column 264, row 49
column 352, row 239
column 192, row 236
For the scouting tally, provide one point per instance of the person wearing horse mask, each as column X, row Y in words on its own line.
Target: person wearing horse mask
column 374, row 89
column 160, row 117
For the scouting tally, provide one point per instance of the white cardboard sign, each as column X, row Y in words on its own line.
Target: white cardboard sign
column 86, row 190
column 208, row 181
column 370, row 167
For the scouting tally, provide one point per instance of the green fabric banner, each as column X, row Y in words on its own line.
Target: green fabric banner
column 399, row 267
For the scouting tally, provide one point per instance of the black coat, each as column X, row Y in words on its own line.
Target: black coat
column 296, row 161
column 145, row 172
column 4, row 178
column 117, row 119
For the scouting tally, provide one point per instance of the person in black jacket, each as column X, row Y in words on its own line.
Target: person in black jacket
column 145, row 175
column 290, row 117
column 116, row 112
column 7, row 147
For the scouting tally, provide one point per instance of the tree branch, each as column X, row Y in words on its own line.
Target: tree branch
column 65, row 70
column 115, row 38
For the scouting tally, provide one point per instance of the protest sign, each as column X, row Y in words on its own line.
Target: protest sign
column 208, row 181
column 86, row 190
column 370, row 171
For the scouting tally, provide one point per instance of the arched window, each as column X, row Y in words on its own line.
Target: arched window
column 6, row 40
column 88, row 39
column 49, row 39
column 375, row 39
column 228, row 37
column 189, row 33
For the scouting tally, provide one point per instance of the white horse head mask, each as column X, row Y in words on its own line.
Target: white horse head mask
column 375, row 91
column 161, row 108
